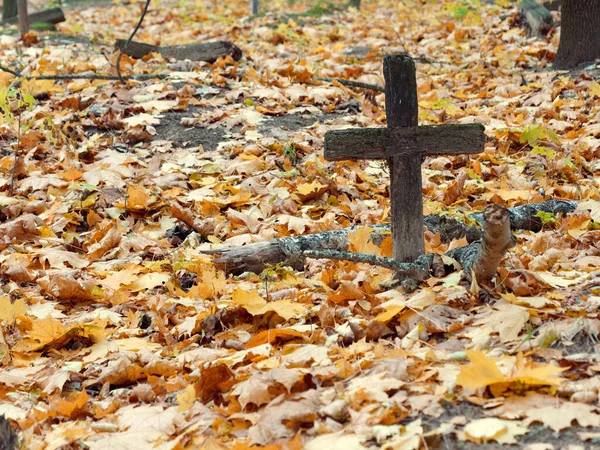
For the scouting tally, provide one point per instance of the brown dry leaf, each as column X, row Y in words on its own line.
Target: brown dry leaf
column 110, row 240
column 507, row 320
column 281, row 418
column 272, row 335
column 54, row 258
column 311, row 191
column 65, row 286
column 253, row 390
column 186, row 399
column 138, row 198
column 560, row 417
column 148, row 281
column 22, row 228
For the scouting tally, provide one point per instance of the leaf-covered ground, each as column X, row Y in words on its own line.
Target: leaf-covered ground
column 117, row 332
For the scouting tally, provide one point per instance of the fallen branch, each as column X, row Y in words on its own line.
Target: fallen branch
column 290, row 251
column 138, row 77
column 352, row 83
column 417, row 270
column 480, row 259
column 208, row 51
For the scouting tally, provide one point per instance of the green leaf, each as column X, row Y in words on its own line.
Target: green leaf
column 534, row 133
column 545, row 217
column 543, row 151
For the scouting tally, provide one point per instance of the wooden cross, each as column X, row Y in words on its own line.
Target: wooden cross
column 403, row 143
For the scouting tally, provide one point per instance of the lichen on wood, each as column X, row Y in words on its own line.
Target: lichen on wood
column 289, row 251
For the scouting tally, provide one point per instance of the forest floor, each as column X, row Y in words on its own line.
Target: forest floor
column 118, row 332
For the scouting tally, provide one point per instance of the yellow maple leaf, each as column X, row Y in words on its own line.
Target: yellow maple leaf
column 9, row 310
column 360, row 242
column 250, row 301
column 186, row 399
column 36, row 87
column 482, row 372
column 148, row 281
column 211, row 282
column 594, row 89
column 255, row 305
column 43, row 332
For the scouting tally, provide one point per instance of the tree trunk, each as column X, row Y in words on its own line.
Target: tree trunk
column 9, row 9
column 579, row 33
column 23, row 17
column 206, row 51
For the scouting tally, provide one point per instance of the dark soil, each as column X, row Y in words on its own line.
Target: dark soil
column 536, row 434
column 278, row 127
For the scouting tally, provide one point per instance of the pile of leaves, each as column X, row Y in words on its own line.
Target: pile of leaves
column 117, row 330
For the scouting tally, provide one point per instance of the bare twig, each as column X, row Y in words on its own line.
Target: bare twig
column 137, row 27
column 352, row 83
column 139, row 77
column 12, row 72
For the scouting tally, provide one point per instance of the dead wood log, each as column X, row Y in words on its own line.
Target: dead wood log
column 479, row 259
column 537, row 19
column 290, row 251
column 207, row 51
column 52, row 16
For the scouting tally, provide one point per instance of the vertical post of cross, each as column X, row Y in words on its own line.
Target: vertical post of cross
column 402, row 110
column 254, row 7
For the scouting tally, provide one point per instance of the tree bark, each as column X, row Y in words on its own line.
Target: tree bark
column 579, row 33
column 23, row 17
column 9, row 9
column 207, row 51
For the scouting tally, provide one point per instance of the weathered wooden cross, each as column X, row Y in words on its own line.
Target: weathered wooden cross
column 403, row 143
